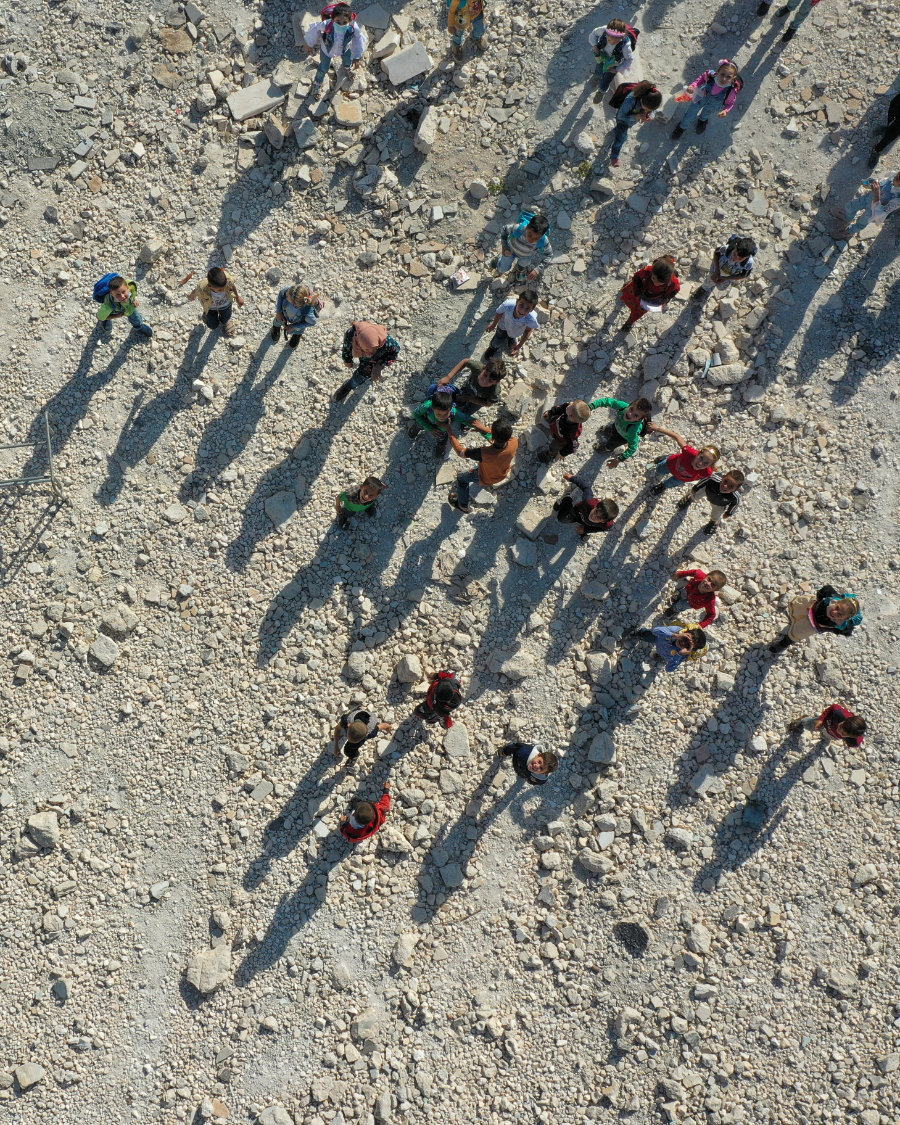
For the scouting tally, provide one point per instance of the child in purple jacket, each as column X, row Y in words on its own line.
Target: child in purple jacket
column 712, row 91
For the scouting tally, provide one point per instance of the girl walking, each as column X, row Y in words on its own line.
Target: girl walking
column 713, row 91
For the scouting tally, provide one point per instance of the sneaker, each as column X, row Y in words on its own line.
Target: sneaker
column 440, row 449
column 701, row 126
column 796, row 725
column 626, row 327
column 274, row 333
column 789, row 34
column 677, row 132
column 456, row 52
column 710, row 528
column 545, row 456
column 480, row 44
column 684, row 503
column 414, row 429
column 781, row 12
column 453, row 501
column 658, row 489
column 763, row 8
column 293, row 341
column 615, row 163
column 144, row 330
column 598, row 97
column 341, row 393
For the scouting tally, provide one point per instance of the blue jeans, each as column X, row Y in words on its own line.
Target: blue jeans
column 620, row 135
column 325, row 64
column 506, row 261
column 604, row 77
column 662, row 467
column 703, row 108
column 476, row 27
column 291, row 329
column 463, row 483
column 134, row 319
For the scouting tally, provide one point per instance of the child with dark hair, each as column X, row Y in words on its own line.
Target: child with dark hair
column 513, row 323
column 371, row 345
column 522, row 242
column 588, row 514
column 338, row 36
column 531, row 761
column 359, row 501
column 700, row 591
column 890, row 132
column 639, row 102
column 444, row 695
column 838, row 723
column 355, row 728
column 825, row 612
column 731, row 262
column 676, row 643
column 296, row 309
column 631, row 423
column 436, row 415
column 480, row 388
column 120, row 299
column 494, row 464
column 686, row 466
column 708, row 91
column 216, row 295
column 721, row 492
column 650, row 289
column 613, row 48
column 366, row 817
column 566, row 422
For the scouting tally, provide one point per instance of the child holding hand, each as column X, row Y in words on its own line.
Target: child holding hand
column 709, row 91
column 700, row 590
column 686, row 466
column 721, row 492
column 589, row 514
column 650, row 289
column 631, row 423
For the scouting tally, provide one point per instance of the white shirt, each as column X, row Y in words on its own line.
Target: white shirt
column 514, row 325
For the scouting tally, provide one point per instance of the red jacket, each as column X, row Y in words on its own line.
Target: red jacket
column 679, row 465
column 832, row 717
column 354, row 835
column 444, row 709
column 697, row 599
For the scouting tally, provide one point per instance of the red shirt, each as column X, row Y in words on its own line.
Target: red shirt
column 832, row 717
column 697, row 599
column 354, row 835
column 680, row 466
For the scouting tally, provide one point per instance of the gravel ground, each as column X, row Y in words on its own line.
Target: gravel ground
column 695, row 921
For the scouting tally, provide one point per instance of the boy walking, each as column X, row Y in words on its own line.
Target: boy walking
column 118, row 298
column 444, row 695
column 366, row 818
column 360, row 500
column 721, row 492
column 216, row 295
column 463, row 15
column 494, row 463
column 566, row 422
column 355, row 728
column 731, row 262
column 513, row 323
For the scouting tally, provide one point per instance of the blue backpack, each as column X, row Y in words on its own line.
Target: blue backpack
column 101, row 287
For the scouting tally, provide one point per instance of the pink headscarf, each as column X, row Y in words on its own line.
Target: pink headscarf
column 368, row 338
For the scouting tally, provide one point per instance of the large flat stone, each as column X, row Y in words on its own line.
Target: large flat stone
column 281, row 507
column 531, row 518
column 406, row 64
column 426, row 133
column 374, row 16
column 255, row 100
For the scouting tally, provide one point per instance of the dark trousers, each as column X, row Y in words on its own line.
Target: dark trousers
column 500, row 342
column 610, row 439
column 892, row 129
column 215, row 317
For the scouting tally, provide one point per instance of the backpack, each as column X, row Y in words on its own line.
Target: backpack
column 525, row 217
column 737, row 84
column 101, row 287
column 620, row 94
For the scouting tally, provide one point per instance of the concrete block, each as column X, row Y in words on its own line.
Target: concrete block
column 347, row 113
column 426, row 133
column 152, row 251
column 374, row 16
column 305, row 133
column 406, row 64
column 255, row 100
column 387, row 44
column 532, row 518
column 273, row 130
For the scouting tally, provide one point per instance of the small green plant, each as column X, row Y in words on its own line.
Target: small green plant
column 497, row 187
column 585, row 168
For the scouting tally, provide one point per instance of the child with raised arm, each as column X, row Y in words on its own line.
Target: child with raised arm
column 700, row 591
column 632, row 421
column 494, row 464
column 837, row 722
column 721, row 492
column 686, row 466
column 589, row 514
column 707, row 93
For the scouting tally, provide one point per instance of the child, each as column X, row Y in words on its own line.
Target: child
column 890, row 132
column 355, row 728
column 216, row 295
column 531, row 761
column 731, row 262
column 859, row 212
column 639, row 101
column 366, row 818
column 700, row 590
column 839, row 723
column 436, row 415
column 676, row 643
column 650, row 289
column 708, row 91
column 804, row 7
column 373, row 347
column 632, row 422
column 444, row 695
column 494, row 464
column 613, row 53
column 826, row 612
column 480, row 387
column 118, row 297
column 337, row 35
column 523, row 241
column 566, row 422
column 722, row 493
column 462, row 15
column 361, row 500
column 687, row 466
column 514, row 322
column 589, row 514
column 296, row 309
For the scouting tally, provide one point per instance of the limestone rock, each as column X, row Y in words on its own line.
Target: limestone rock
column 208, row 969
column 29, row 1074
column 43, row 828
column 409, row 669
column 404, row 948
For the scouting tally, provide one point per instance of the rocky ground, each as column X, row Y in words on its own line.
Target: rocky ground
column 696, row 920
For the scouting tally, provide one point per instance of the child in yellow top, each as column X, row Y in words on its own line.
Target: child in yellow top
column 215, row 295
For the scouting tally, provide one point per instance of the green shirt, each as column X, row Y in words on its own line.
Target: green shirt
column 630, row 431
column 424, row 415
column 114, row 308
